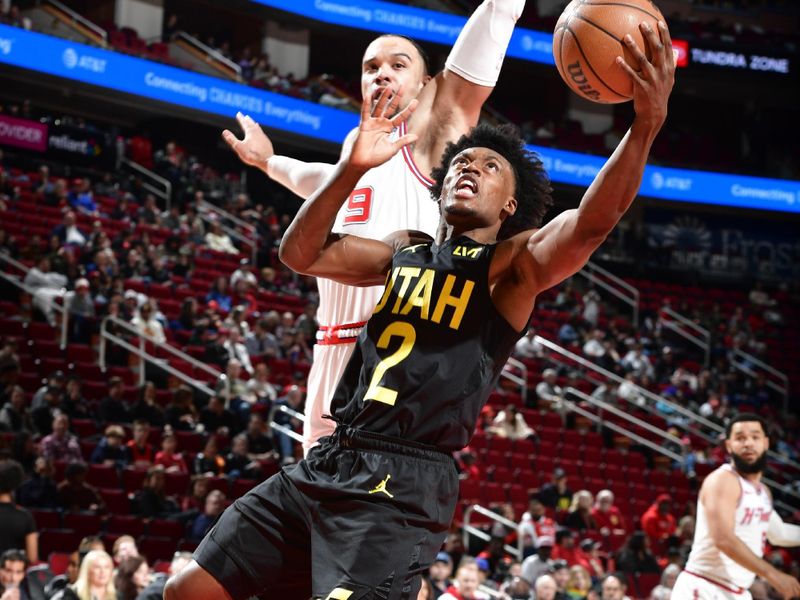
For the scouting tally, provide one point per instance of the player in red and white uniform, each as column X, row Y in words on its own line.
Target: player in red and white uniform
column 394, row 196
column 734, row 518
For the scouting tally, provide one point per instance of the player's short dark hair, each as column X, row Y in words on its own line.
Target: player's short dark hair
column 745, row 417
column 13, row 555
column 532, row 185
column 426, row 60
column 11, row 476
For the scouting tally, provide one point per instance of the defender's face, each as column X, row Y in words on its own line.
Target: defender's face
column 478, row 189
column 747, row 441
column 395, row 63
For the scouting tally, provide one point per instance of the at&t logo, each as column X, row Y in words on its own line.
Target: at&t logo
column 70, row 58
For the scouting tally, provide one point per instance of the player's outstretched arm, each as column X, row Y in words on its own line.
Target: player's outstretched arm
column 719, row 496
column 450, row 104
column 544, row 258
column 308, row 246
column 782, row 534
column 255, row 149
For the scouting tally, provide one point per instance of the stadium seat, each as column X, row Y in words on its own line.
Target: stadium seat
column 83, row 523
column 46, row 519
column 157, row 548
column 58, row 562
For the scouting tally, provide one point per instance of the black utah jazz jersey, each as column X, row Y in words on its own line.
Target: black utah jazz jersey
column 431, row 352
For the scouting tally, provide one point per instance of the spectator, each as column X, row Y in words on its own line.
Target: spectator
column 658, row 523
column 61, row 444
column 637, row 363
column 533, row 525
column 132, row 576
column 219, row 294
column 19, row 528
column 168, row 457
column 293, row 400
column 439, row 573
column 181, row 413
column 262, row 342
column 560, row 574
column 25, row 451
column 556, row 494
column 237, row 350
column 613, row 588
column 258, row 441
column 140, row 451
column 209, row 461
column 147, row 408
column 46, row 287
column 68, row 232
column 528, row 347
column 591, row 307
column 216, row 239
column 195, row 500
column 663, row 590
column 510, row 423
column 15, row 416
column 39, row 491
column 51, row 407
column 155, row 589
column 580, row 512
column 152, row 500
column 124, row 548
column 215, row 504
column 75, row 495
column 74, row 404
column 95, row 579
column 259, row 388
column 148, row 213
column 538, row 564
column 465, row 586
column 70, row 576
column 111, row 449
column 593, row 562
column 607, row 516
column 147, row 324
column 14, row 585
column 594, row 348
column 635, row 555
column 216, row 419
column 467, row 465
column 545, row 588
column 113, row 408
column 238, row 463
column 55, row 382
column 568, row 550
column 548, row 391
column 244, row 272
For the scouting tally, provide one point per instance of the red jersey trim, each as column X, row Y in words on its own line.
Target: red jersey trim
column 716, row 583
column 328, row 335
column 426, row 181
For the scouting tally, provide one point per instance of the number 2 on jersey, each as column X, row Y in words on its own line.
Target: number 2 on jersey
column 359, row 205
column 408, row 334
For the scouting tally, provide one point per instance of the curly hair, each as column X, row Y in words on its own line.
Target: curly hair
column 532, row 185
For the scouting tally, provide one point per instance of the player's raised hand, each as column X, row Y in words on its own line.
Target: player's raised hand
column 373, row 146
column 653, row 78
column 256, row 148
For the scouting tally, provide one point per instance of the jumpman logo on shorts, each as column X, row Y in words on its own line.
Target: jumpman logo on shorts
column 381, row 487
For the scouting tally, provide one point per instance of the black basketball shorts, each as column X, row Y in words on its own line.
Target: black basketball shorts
column 361, row 518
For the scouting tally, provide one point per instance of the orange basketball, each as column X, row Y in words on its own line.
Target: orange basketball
column 588, row 38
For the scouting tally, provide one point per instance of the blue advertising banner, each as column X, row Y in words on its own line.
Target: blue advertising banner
column 86, row 64
column 149, row 79
column 417, row 23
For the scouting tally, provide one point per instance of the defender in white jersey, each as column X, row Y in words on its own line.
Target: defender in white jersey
column 395, row 195
column 735, row 517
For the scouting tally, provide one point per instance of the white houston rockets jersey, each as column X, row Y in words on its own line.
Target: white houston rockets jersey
column 751, row 523
column 392, row 197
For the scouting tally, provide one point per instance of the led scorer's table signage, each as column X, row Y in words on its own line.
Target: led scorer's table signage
column 143, row 78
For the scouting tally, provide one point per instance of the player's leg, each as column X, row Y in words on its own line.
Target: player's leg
column 260, row 544
column 327, row 368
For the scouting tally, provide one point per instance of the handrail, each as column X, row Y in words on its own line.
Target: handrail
column 292, row 413
column 286, row 431
column 146, row 356
column 644, row 392
column 703, row 341
column 205, row 204
column 62, row 310
column 212, row 52
column 569, row 405
column 747, row 357
column 628, row 417
column 521, row 381
column 205, row 216
column 470, row 530
column 96, row 29
column 165, row 194
column 594, row 268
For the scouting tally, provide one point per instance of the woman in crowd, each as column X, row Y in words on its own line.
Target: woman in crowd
column 580, row 512
column 152, row 499
column 133, row 575
column 95, row 580
column 579, row 583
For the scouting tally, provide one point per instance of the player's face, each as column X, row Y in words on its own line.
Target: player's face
column 478, row 189
column 748, row 445
column 392, row 62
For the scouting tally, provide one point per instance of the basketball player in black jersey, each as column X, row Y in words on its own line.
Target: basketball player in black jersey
column 365, row 513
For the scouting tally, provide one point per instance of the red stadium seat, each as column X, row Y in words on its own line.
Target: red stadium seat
column 46, row 519
column 116, row 501
column 58, row 561
column 84, row 523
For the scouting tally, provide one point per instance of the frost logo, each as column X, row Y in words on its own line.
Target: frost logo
column 70, row 58
column 657, row 180
column 687, row 233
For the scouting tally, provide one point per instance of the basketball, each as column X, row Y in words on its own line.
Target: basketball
column 587, row 40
